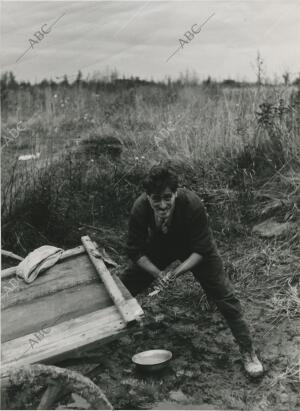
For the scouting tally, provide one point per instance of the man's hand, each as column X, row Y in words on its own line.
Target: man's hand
column 164, row 278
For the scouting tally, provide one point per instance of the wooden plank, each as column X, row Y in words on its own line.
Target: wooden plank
column 71, row 288
column 30, row 294
column 107, row 279
column 72, row 272
column 101, row 325
column 43, row 312
column 8, row 272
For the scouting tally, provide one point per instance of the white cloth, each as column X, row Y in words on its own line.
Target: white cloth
column 38, row 261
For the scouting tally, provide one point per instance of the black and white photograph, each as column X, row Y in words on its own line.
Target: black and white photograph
column 150, row 205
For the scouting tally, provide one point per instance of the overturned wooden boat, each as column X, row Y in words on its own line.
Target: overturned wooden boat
column 74, row 305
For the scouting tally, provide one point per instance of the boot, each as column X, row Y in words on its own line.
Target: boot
column 251, row 363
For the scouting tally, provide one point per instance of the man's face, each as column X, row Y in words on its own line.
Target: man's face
column 163, row 203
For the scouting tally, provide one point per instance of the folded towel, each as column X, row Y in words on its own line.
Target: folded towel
column 38, row 261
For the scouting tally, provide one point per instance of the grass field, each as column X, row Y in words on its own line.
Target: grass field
column 239, row 149
column 214, row 133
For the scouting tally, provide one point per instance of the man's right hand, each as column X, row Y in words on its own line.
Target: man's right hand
column 163, row 278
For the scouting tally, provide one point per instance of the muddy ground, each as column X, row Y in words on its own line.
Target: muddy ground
column 206, row 371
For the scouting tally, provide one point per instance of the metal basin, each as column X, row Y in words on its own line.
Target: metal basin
column 152, row 360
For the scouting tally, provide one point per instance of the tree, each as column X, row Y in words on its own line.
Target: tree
column 8, row 80
column 65, row 81
column 4, row 79
column 286, row 78
column 12, row 80
column 208, row 81
column 259, row 68
column 296, row 82
column 44, row 83
column 114, row 75
column 78, row 78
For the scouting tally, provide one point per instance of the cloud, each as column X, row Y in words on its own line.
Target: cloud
column 137, row 37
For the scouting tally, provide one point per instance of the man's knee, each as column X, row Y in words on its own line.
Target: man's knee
column 212, row 277
column 218, row 287
column 230, row 306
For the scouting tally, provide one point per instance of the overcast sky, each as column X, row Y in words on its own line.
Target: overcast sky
column 137, row 38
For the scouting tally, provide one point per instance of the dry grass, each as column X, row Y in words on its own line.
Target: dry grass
column 240, row 155
column 289, row 376
column 286, row 304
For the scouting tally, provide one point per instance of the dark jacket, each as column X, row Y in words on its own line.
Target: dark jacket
column 188, row 232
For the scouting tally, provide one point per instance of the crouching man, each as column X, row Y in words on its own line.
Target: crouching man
column 168, row 224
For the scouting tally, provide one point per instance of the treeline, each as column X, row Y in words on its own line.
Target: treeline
column 8, row 82
column 112, row 82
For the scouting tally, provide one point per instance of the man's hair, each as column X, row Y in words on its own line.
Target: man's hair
column 159, row 178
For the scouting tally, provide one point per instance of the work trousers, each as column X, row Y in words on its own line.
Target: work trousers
column 216, row 284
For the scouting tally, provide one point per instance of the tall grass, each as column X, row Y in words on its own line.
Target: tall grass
column 222, row 139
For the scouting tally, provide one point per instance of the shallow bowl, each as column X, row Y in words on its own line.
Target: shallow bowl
column 152, row 360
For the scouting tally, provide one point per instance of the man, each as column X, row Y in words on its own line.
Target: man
column 168, row 224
